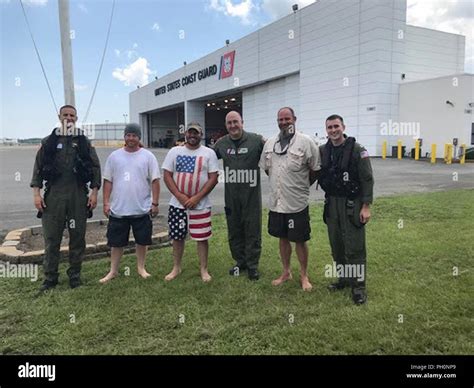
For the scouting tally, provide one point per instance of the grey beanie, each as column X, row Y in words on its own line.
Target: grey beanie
column 133, row 128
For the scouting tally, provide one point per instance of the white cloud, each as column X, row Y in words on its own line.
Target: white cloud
column 40, row 3
column 79, row 87
column 137, row 73
column 31, row 3
column 279, row 8
column 83, row 8
column 455, row 16
column 156, row 27
column 241, row 10
column 130, row 54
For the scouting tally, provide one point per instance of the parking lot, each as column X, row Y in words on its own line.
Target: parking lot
column 391, row 177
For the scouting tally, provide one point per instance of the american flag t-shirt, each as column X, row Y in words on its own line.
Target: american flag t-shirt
column 188, row 172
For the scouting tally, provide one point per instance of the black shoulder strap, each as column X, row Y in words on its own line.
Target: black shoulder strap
column 347, row 153
column 326, row 157
column 84, row 151
column 50, row 147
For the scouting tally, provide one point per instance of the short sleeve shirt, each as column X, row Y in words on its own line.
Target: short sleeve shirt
column 289, row 172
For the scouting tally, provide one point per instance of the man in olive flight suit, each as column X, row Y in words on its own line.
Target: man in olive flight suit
column 67, row 161
column 240, row 151
column 347, row 179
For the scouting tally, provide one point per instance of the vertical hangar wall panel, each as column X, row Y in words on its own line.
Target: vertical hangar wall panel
column 329, row 64
column 388, row 42
column 349, row 71
column 195, row 112
column 431, row 54
column 420, row 99
column 261, row 103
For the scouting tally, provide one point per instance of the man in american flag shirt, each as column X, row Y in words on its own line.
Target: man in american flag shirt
column 190, row 173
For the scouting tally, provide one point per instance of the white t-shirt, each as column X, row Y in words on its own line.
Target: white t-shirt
column 190, row 169
column 131, row 174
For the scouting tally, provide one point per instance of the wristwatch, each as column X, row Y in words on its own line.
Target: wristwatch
column 154, row 204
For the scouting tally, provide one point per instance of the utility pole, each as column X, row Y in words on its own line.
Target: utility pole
column 66, row 52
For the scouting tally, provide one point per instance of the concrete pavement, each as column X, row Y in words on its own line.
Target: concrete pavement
column 391, row 177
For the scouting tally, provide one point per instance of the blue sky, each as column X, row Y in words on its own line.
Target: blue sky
column 144, row 43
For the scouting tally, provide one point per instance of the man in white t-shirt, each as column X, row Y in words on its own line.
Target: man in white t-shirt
column 190, row 173
column 131, row 194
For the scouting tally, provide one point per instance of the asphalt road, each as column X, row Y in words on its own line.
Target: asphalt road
column 391, row 177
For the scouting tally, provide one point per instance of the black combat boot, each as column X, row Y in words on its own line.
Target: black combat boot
column 359, row 295
column 253, row 274
column 339, row 285
column 45, row 287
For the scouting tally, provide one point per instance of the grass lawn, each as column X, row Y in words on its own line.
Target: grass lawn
column 415, row 305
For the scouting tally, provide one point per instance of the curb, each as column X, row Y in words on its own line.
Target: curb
column 10, row 253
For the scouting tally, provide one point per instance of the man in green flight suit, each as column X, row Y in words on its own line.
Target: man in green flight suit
column 347, row 179
column 240, row 150
column 67, row 161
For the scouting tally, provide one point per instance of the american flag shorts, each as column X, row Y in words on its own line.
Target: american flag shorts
column 198, row 222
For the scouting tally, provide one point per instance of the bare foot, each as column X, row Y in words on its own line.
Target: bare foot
column 307, row 286
column 206, row 277
column 144, row 274
column 107, row 278
column 282, row 279
column 173, row 274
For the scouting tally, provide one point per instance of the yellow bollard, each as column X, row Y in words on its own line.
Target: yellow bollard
column 449, row 157
column 463, row 154
column 384, row 150
column 417, row 149
column 399, row 150
column 445, row 156
column 433, row 153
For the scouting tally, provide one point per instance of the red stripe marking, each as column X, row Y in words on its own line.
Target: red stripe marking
column 200, row 158
column 183, row 179
column 199, row 216
column 190, row 185
column 200, row 235
column 199, row 226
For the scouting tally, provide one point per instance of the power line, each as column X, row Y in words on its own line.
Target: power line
column 101, row 62
column 39, row 58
